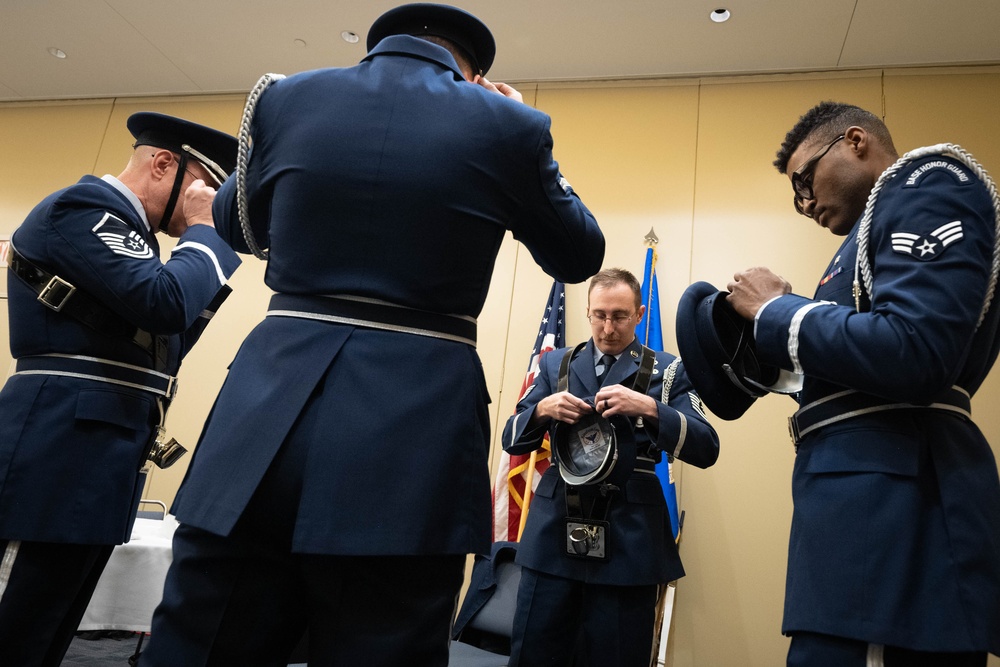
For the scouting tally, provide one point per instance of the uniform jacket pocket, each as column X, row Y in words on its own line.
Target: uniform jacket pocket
column 114, row 407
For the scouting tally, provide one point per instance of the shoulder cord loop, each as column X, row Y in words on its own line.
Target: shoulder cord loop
column 668, row 379
column 241, row 162
column 862, row 265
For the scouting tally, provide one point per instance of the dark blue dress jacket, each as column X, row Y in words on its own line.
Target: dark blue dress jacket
column 641, row 545
column 71, row 447
column 393, row 180
column 896, row 528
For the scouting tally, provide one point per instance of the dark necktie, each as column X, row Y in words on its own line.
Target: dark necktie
column 608, row 362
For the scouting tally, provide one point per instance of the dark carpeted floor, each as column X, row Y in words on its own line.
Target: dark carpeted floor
column 101, row 649
column 110, row 648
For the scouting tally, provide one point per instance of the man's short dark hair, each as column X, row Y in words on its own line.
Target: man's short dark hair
column 611, row 277
column 825, row 122
column 462, row 57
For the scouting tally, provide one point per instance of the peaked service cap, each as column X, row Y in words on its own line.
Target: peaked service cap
column 452, row 23
column 215, row 150
column 717, row 347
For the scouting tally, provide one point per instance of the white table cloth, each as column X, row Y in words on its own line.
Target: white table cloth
column 132, row 583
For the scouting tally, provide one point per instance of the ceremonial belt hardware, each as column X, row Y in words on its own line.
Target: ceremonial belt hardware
column 849, row 404
column 588, row 536
column 162, row 452
column 374, row 314
column 588, row 530
column 61, row 296
column 100, row 370
column 56, row 293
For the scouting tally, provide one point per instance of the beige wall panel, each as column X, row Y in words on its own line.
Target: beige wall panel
column 738, row 512
column 494, row 324
column 933, row 106
column 46, row 147
column 743, row 207
column 630, row 154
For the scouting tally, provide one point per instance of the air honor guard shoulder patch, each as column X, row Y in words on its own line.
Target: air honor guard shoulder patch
column 946, row 166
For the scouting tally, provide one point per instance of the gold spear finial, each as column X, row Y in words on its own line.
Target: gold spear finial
column 651, row 238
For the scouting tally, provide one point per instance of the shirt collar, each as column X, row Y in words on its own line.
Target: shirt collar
column 128, row 194
column 598, row 355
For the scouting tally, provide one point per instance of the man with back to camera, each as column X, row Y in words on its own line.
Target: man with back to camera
column 342, row 477
column 601, row 595
column 894, row 555
column 98, row 327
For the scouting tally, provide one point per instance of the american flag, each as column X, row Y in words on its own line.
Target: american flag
column 509, row 486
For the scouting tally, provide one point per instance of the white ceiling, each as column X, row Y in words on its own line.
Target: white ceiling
column 176, row 47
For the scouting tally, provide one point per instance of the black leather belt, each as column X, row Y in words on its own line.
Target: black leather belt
column 101, row 370
column 848, row 404
column 645, row 464
column 63, row 297
column 374, row 314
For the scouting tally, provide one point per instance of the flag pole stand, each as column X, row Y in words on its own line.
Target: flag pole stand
column 665, row 597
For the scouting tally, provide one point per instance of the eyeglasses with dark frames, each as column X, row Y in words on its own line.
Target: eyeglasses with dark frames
column 802, row 178
column 616, row 319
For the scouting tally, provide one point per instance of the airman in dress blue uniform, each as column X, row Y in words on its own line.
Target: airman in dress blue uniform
column 606, row 597
column 894, row 555
column 98, row 328
column 342, row 475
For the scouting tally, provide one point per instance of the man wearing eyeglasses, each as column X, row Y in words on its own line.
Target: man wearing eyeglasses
column 598, row 542
column 894, row 555
column 98, row 327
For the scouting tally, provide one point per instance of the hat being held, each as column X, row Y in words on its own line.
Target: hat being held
column 587, row 451
column 214, row 150
column 717, row 347
column 451, row 23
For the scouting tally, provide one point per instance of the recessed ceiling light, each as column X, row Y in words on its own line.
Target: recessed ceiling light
column 56, row 53
column 720, row 15
column 349, row 37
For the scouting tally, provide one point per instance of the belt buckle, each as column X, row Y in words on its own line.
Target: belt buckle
column 793, row 431
column 56, row 293
column 171, row 390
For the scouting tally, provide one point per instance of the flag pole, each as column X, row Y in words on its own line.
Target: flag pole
column 666, row 592
column 651, row 240
column 528, row 480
